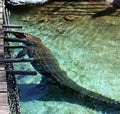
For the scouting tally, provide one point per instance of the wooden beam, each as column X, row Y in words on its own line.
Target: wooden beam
column 4, row 109
column 14, row 40
column 21, row 72
column 17, row 60
column 3, row 99
column 2, row 76
column 3, row 87
column 12, row 26
column 14, row 47
column 10, row 31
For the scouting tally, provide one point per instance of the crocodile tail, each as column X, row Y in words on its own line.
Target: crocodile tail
column 93, row 97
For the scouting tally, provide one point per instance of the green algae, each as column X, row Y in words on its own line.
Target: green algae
column 87, row 49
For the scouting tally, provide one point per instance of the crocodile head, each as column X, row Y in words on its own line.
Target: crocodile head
column 30, row 40
column 34, row 45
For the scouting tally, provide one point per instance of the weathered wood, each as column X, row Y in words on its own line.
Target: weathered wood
column 3, row 87
column 12, row 26
column 2, row 66
column 1, row 40
column 1, row 15
column 3, row 99
column 17, row 60
column 1, row 51
column 21, row 72
column 9, row 46
column 1, row 26
column 10, row 31
column 13, row 47
column 2, row 76
column 4, row 109
column 14, row 40
column 1, row 35
column 4, row 112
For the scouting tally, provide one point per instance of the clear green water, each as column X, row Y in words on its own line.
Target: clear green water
column 87, row 49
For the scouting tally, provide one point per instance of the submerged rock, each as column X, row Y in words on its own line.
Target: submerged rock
column 72, row 17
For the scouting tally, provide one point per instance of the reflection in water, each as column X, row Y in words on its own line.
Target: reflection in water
column 87, row 49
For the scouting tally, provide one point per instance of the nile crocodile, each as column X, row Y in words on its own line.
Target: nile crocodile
column 47, row 65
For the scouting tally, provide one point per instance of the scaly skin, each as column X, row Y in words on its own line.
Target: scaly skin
column 47, row 65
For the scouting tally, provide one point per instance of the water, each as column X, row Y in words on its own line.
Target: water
column 87, row 49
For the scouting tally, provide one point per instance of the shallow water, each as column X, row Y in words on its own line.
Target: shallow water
column 87, row 49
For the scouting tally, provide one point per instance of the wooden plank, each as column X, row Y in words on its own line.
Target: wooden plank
column 1, row 41
column 12, row 26
column 1, row 47
column 3, row 99
column 1, row 35
column 3, row 87
column 14, row 47
column 1, row 55
column 2, row 76
column 12, row 72
column 1, row 15
column 4, row 109
column 1, row 26
column 4, row 112
column 13, row 60
column 1, row 21
column 2, row 67
column 1, row 9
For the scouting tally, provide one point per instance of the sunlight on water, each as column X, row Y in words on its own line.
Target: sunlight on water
column 87, row 49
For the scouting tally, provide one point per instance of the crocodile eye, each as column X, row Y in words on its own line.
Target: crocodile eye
column 31, row 44
column 26, row 35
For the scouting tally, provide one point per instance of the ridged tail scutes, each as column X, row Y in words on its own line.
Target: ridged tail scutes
column 98, row 99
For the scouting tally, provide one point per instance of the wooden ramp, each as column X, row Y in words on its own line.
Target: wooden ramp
column 4, row 107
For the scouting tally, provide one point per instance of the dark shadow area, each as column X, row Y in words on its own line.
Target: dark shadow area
column 29, row 92
column 105, row 12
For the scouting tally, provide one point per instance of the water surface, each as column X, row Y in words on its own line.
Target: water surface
column 87, row 48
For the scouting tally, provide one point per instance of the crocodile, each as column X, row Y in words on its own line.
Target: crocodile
column 47, row 65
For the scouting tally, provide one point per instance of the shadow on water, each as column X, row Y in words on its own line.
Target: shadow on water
column 105, row 12
column 30, row 92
